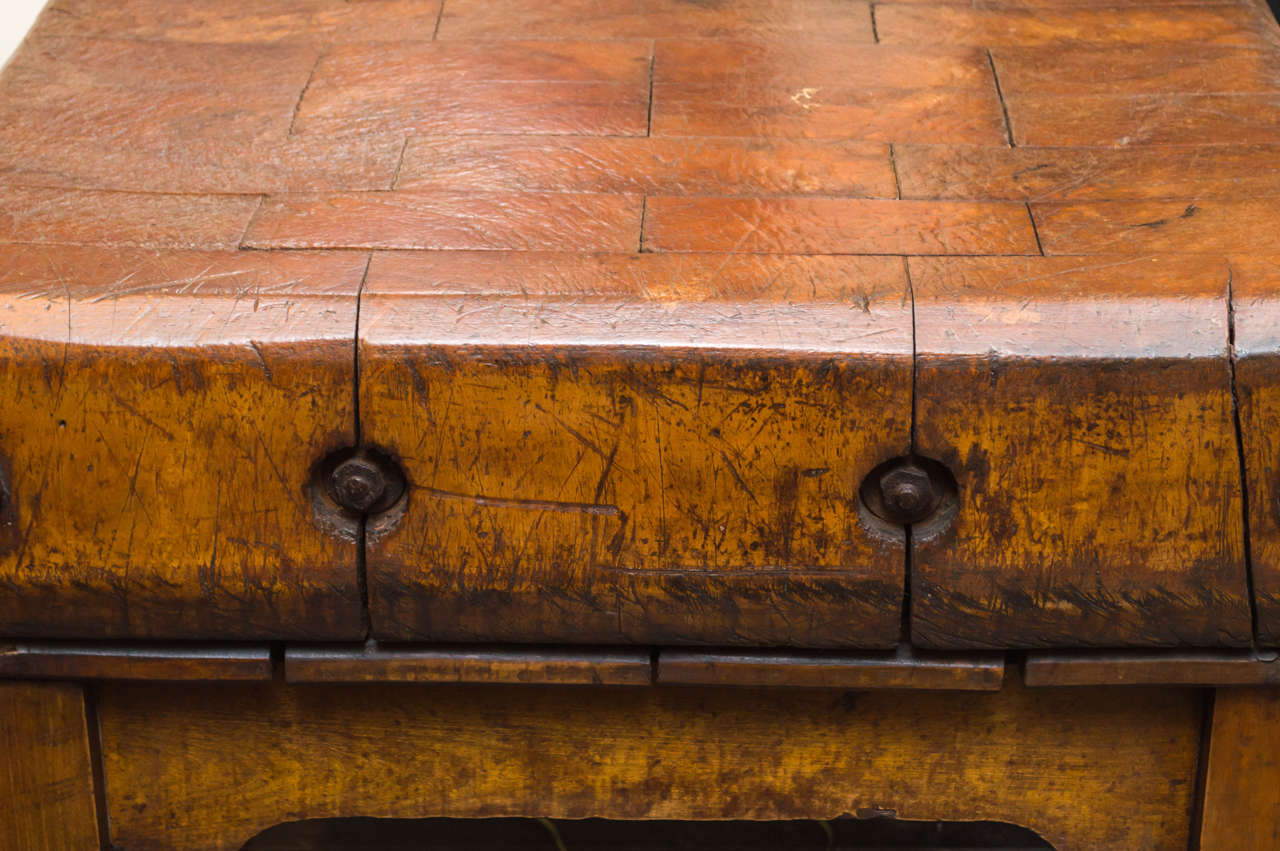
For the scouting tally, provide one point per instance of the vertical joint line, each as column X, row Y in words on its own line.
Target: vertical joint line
column 297, row 107
column 893, row 166
column 244, row 235
column 1240, row 457
column 93, row 728
column 906, row 532
column 395, row 178
column 1035, row 231
column 875, row 32
column 1004, row 108
column 435, row 33
column 653, row 59
column 1202, row 768
column 644, row 212
column 362, row 576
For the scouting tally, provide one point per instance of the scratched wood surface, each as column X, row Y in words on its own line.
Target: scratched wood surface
column 1241, row 798
column 644, row 291
column 1077, row 766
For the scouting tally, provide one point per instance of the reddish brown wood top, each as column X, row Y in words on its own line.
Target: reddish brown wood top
column 638, row 294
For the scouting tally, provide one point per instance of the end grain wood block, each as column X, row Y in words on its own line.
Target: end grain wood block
column 638, row 448
column 55, row 660
column 647, row 165
column 1189, row 668
column 904, row 669
column 836, row 226
column 469, row 664
column 322, row 21
column 1256, row 298
column 159, row 416
column 1144, row 173
column 547, row 87
column 1084, row 406
column 849, row 21
column 268, row 753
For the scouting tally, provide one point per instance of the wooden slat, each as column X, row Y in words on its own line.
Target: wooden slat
column 585, row 493
column 1135, row 69
column 435, row 220
column 904, row 669
column 1159, row 227
column 649, row 165
column 1241, row 807
column 104, row 661
column 1129, row 668
column 1217, row 172
column 1084, row 407
column 1255, row 284
column 557, row 87
column 159, row 417
column 46, row 785
column 841, row 19
column 836, row 226
column 1081, row 768
column 468, row 664
column 898, row 23
column 1123, row 120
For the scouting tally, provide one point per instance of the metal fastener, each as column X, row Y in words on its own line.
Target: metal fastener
column 908, row 493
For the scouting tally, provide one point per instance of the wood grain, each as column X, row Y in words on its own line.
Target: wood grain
column 1079, row 767
column 903, row 669
column 57, row 660
column 1137, row 69
column 1092, row 440
column 616, row 477
column 1241, row 810
column 160, row 416
column 468, row 664
column 46, row 786
column 1159, row 227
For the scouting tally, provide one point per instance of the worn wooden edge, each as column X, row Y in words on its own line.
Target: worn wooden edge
column 905, row 668
column 1179, row 667
column 475, row 664
column 134, row 661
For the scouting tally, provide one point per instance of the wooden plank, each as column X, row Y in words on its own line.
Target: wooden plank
column 1255, row 285
column 1130, row 668
column 647, row 165
column 898, row 23
column 1210, row 172
column 1159, row 227
column 903, row 669
column 50, row 660
column 607, row 19
column 454, row 221
column 160, row 414
column 1125, row 120
column 556, row 87
column 836, row 226
column 468, row 664
column 46, row 786
column 244, row 20
column 1029, row 757
column 1084, row 406
column 1241, row 810
column 622, row 475
column 1135, row 69
column 40, row 216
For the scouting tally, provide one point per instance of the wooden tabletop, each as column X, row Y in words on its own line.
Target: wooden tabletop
column 637, row 294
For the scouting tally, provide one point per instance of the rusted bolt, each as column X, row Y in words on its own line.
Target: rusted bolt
column 357, row 484
column 905, row 490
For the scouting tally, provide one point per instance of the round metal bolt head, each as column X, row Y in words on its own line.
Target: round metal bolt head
column 908, row 493
column 357, row 484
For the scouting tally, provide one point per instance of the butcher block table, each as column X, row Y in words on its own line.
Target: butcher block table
column 640, row 409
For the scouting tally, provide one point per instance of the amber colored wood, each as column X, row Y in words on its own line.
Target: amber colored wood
column 1142, row 227
column 617, row 477
column 903, row 669
column 1255, row 284
column 613, row 19
column 1078, row 766
column 648, row 165
column 1131, row 668
column 1084, row 406
column 159, row 417
column 50, row 660
column 1241, row 805
column 468, row 664
column 1123, row 120
column 452, row 220
column 1088, row 174
column 836, row 226
column 46, row 782
column 1145, row 69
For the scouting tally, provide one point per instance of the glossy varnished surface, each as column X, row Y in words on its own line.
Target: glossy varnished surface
column 638, row 294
